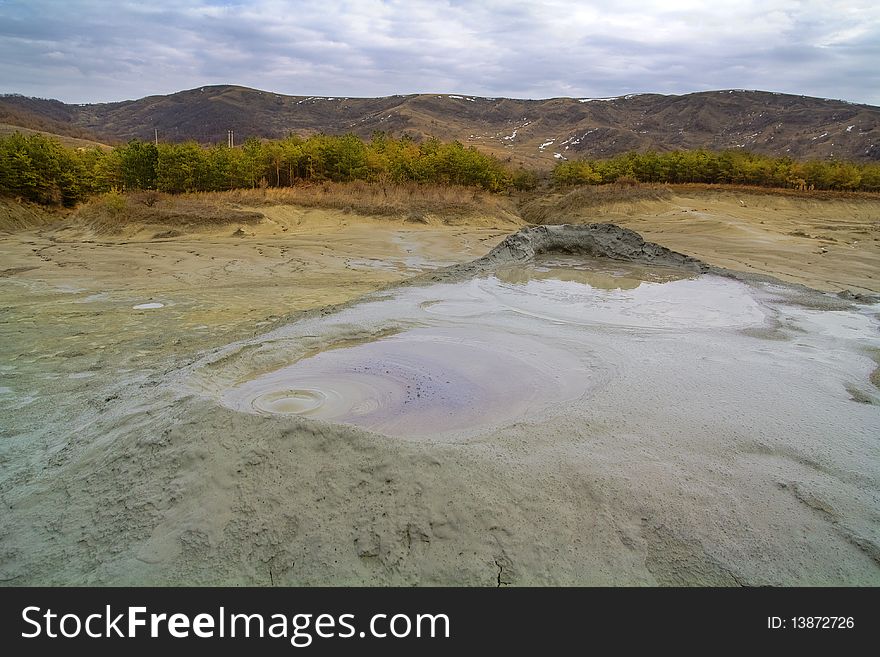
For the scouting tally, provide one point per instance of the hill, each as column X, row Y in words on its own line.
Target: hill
column 70, row 142
column 50, row 117
column 534, row 132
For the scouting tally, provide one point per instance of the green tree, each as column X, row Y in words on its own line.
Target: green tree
column 138, row 160
column 40, row 169
column 181, row 168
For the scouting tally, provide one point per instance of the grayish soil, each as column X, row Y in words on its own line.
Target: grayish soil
column 706, row 430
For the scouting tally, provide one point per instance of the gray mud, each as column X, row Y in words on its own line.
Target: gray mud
column 612, row 242
column 590, row 240
column 648, row 420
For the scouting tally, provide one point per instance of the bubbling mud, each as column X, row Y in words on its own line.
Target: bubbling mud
column 424, row 381
column 538, row 327
column 483, row 352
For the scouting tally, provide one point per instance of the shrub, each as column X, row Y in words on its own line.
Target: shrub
column 113, row 203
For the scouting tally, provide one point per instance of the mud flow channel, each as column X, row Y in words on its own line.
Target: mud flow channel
column 541, row 339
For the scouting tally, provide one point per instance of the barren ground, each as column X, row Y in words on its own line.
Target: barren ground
column 110, row 476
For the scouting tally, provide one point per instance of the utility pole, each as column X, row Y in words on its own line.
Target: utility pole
column 156, row 130
column 230, row 138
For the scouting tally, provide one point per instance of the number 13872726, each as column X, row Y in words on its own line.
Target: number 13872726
column 810, row 623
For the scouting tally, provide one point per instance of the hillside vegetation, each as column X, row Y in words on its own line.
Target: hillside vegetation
column 728, row 167
column 40, row 169
column 535, row 133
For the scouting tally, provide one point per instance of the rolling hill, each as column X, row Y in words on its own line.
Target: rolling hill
column 70, row 142
column 536, row 133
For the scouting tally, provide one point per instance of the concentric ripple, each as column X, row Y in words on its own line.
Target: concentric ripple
column 487, row 352
column 424, row 381
column 301, row 402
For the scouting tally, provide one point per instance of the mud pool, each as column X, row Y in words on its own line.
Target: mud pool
column 576, row 406
column 541, row 338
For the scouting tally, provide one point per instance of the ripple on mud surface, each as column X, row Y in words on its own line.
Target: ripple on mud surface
column 297, row 401
column 626, row 296
column 422, row 382
column 707, row 302
column 485, row 352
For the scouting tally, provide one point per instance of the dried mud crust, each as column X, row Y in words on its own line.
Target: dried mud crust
column 148, row 486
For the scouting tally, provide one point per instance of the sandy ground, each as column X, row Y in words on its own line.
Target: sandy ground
column 232, row 277
column 114, row 471
column 824, row 244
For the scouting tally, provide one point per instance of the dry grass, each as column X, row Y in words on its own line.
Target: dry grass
column 114, row 210
column 814, row 195
column 69, row 142
column 555, row 207
column 411, row 201
column 18, row 215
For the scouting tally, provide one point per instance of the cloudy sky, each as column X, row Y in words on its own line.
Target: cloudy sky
column 93, row 50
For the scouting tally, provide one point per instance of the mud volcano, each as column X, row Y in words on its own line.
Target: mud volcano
column 576, row 407
column 545, row 320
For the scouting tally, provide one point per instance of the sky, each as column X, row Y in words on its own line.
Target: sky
column 82, row 51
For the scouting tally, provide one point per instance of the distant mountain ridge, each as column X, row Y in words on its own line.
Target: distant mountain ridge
column 536, row 133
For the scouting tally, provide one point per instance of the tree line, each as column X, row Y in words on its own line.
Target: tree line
column 40, row 169
column 725, row 167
